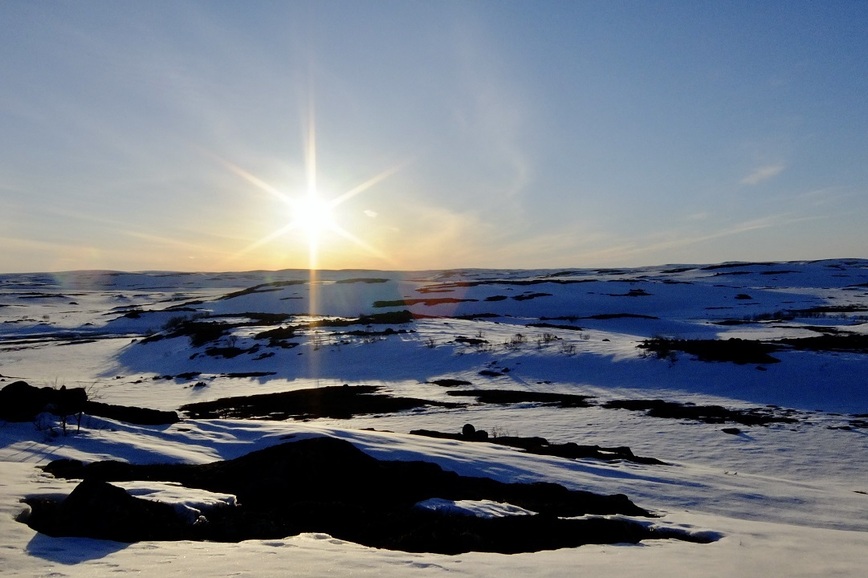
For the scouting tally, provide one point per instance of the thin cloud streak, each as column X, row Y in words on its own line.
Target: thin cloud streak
column 763, row 173
column 738, row 229
column 610, row 251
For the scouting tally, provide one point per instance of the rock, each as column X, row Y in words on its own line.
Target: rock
column 97, row 509
column 20, row 401
column 328, row 485
column 339, row 402
column 470, row 433
column 131, row 414
column 541, row 446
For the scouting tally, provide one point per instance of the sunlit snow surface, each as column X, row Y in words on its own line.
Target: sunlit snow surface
column 788, row 499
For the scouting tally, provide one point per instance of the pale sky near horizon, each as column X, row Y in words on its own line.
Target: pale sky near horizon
column 175, row 135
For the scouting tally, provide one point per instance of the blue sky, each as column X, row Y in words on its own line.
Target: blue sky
column 146, row 135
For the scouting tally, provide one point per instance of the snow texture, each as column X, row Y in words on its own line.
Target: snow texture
column 784, row 499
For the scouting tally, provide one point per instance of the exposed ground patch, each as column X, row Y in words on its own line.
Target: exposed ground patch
column 426, row 302
column 262, row 288
column 541, row 446
column 704, row 413
column 339, row 402
column 600, row 317
column 735, row 350
column 448, row 382
column 849, row 342
column 509, row 396
column 744, row 351
column 20, row 401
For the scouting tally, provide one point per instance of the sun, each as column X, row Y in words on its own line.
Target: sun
column 314, row 218
column 312, row 215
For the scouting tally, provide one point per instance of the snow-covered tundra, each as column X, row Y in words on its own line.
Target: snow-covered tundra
column 728, row 402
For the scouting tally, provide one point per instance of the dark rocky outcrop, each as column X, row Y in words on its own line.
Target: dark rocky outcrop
column 511, row 396
column 20, row 401
column 328, row 485
column 131, row 414
column 448, row 382
column 740, row 351
column 339, row 402
column 97, row 509
column 703, row 413
column 541, row 446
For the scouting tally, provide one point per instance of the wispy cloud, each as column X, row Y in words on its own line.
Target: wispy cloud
column 763, row 173
column 827, row 196
column 494, row 115
column 601, row 248
column 674, row 242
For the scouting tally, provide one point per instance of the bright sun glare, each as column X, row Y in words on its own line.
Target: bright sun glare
column 312, row 215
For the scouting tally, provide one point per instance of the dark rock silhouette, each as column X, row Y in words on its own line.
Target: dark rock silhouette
column 20, row 401
column 541, row 446
column 511, row 396
column 98, row 509
column 328, row 485
column 469, row 432
column 131, row 414
column 703, row 413
column 340, row 402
